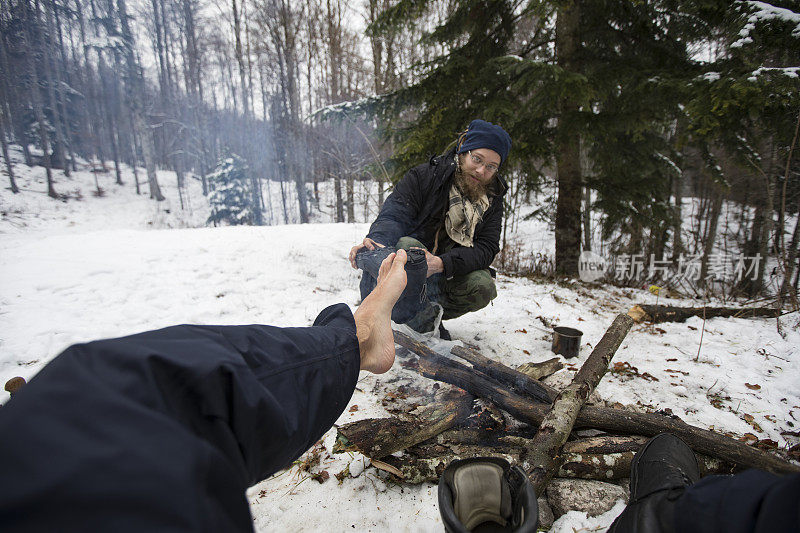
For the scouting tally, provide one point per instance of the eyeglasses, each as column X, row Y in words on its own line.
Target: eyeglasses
column 478, row 161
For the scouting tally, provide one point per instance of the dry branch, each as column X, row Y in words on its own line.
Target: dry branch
column 545, row 450
column 667, row 313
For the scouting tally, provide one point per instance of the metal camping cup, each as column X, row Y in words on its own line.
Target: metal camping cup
column 567, row 341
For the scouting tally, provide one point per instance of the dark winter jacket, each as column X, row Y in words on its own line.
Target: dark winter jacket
column 164, row 430
column 417, row 206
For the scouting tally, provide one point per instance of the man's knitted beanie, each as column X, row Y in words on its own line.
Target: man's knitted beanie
column 482, row 134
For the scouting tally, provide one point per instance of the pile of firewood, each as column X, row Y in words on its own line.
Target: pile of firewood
column 549, row 432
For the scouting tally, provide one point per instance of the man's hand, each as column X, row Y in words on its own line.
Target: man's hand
column 367, row 243
column 435, row 263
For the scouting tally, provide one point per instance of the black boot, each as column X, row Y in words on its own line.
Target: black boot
column 660, row 473
column 414, row 295
column 487, row 494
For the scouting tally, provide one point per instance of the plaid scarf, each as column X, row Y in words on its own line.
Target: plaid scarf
column 463, row 215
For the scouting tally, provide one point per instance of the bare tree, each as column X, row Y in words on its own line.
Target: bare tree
column 135, row 97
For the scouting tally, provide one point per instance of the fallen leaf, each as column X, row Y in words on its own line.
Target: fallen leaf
column 321, row 477
column 752, row 387
column 794, row 451
column 354, row 409
column 750, row 420
column 748, row 438
column 767, row 444
column 523, row 330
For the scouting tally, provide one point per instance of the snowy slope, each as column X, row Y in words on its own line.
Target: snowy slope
column 98, row 267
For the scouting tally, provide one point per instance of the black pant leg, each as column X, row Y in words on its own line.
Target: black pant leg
column 164, row 430
column 751, row 502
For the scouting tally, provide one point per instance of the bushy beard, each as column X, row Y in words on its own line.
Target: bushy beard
column 472, row 188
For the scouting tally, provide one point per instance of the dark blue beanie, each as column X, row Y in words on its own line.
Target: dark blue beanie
column 482, row 134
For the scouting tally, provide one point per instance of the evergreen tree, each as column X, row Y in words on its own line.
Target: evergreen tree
column 608, row 74
column 748, row 103
column 229, row 193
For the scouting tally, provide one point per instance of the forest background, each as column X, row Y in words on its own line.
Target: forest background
column 639, row 122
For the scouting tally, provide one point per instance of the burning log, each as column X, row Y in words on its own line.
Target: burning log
column 703, row 441
column 505, row 375
column 668, row 313
column 545, row 450
column 379, row 437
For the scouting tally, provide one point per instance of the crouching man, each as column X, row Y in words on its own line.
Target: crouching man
column 451, row 208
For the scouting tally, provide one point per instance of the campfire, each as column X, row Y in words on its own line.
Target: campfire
column 471, row 405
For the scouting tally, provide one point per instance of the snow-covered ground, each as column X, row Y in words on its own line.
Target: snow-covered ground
column 117, row 264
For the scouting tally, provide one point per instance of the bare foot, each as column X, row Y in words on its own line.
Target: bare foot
column 373, row 316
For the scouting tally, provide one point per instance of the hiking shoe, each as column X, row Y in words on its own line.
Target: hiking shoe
column 487, row 494
column 427, row 320
column 443, row 333
column 660, row 473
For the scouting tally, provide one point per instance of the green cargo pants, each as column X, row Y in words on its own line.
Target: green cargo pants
column 459, row 294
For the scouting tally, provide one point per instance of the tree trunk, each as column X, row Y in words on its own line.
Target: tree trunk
column 90, row 104
column 50, row 7
column 36, row 101
column 544, row 451
column 781, row 245
column 337, row 186
column 45, row 44
column 769, row 208
column 135, row 161
column 237, row 33
column 587, row 219
column 351, row 211
column 105, row 76
column 711, row 233
column 677, row 218
column 791, row 256
column 567, row 147
column 11, row 104
column 9, row 166
column 136, row 101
